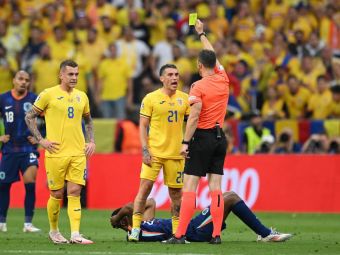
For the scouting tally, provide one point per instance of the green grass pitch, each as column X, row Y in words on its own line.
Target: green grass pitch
column 313, row 234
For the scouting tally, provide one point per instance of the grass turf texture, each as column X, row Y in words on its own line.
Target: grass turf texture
column 314, row 234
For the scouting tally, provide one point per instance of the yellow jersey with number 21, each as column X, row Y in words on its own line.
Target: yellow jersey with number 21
column 166, row 116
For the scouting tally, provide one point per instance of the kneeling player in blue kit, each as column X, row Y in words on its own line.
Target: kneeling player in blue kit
column 200, row 228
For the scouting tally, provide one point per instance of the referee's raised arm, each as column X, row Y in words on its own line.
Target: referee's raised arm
column 199, row 27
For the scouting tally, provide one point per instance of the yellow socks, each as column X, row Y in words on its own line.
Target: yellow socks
column 53, row 210
column 74, row 213
column 175, row 222
column 137, row 220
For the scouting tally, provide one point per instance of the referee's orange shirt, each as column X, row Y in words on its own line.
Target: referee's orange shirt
column 213, row 92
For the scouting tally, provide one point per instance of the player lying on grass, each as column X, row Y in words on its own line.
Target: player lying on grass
column 200, row 228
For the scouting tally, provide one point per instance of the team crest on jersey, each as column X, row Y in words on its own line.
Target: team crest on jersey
column 27, row 106
column 78, row 98
column 180, row 101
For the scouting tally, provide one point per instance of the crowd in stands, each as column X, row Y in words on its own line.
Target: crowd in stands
column 282, row 56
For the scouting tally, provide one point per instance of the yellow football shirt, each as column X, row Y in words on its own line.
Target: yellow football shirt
column 46, row 73
column 319, row 104
column 114, row 74
column 63, row 115
column 166, row 122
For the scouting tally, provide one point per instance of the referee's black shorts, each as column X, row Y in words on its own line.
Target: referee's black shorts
column 206, row 153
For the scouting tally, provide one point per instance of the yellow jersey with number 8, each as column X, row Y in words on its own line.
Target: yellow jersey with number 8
column 63, row 116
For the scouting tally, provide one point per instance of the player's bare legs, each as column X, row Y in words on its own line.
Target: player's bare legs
column 175, row 195
column 145, row 187
column 29, row 178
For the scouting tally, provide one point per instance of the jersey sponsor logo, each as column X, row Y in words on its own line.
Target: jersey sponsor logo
column 27, row 106
column 59, row 98
column 8, row 107
column 246, row 183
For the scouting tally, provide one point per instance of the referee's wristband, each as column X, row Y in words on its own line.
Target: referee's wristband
column 203, row 33
column 185, row 142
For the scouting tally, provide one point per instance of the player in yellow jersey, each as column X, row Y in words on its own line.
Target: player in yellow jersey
column 162, row 113
column 66, row 150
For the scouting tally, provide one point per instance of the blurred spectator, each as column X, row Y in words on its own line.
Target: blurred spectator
column 243, row 25
column 218, row 25
column 266, row 145
column 334, row 107
column 99, row 8
column 61, row 46
column 136, row 53
column 162, row 52
column 114, row 90
column 8, row 67
column 285, row 143
column 94, row 47
column 314, row 45
column 140, row 30
column 108, row 29
column 231, row 148
column 158, row 20
column 45, row 70
column 334, row 146
column 32, row 49
column 316, row 144
column 336, row 71
column 275, row 14
column 253, row 134
column 184, row 68
column 17, row 34
column 127, row 135
column 296, row 97
column 319, row 102
column 274, row 106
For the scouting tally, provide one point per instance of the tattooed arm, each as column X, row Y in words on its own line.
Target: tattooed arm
column 90, row 146
column 30, row 118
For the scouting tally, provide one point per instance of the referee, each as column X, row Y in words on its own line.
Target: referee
column 204, row 145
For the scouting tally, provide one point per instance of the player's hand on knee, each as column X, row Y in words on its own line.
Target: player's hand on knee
column 89, row 149
column 4, row 138
column 51, row 147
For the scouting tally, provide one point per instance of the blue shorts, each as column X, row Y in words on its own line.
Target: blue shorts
column 12, row 163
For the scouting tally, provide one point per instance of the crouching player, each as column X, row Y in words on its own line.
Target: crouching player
column 200, row 228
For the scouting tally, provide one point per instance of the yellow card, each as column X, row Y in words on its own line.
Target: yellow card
column 192, row 19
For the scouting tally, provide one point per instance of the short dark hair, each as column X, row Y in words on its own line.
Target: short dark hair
column 115, row 212
column 207, row 58
column 68, row 62
column 336, row 89
column 166, row 66
column 321, row 77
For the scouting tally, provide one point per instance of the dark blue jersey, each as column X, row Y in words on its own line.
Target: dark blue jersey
column 200, row 229
column 13, row 113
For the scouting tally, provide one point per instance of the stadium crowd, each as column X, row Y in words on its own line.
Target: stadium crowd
column 282, row 56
